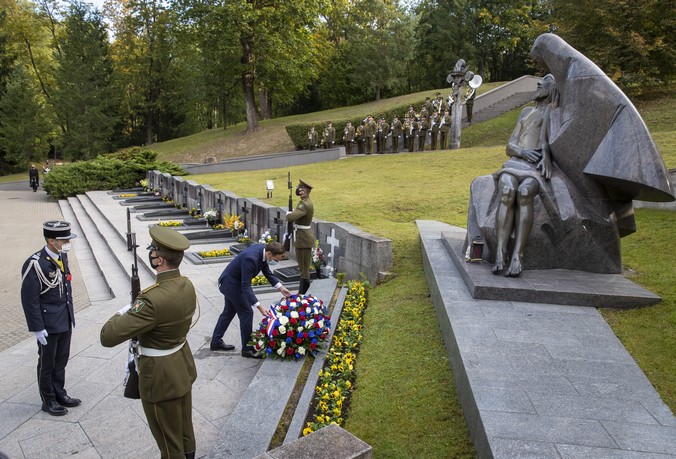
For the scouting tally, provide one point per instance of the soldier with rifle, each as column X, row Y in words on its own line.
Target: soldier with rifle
column 303, row 237
column 160, row 317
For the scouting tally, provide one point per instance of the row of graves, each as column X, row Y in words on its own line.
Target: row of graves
column 221, row 224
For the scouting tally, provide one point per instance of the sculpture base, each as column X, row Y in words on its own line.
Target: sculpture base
column 554, row 286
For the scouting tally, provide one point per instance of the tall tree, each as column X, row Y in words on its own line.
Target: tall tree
column 633, row 42
column 84, row 101
column 275, row 52
column 25, row 130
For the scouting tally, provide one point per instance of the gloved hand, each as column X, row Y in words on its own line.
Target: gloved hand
column 41, row 336
column 124, row 309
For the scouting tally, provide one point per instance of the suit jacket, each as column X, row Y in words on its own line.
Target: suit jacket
column 46, row 293
column 160, row 318
column 235, row 280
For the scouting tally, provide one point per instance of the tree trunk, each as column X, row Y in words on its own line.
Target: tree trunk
column 248, row 77
column 149, row 127
column 264, row 100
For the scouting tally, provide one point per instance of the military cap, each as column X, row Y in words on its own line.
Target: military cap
column 56, row 229
column 304, row 183
column 168, row 239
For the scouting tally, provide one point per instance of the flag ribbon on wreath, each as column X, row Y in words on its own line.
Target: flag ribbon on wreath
column 272, row 321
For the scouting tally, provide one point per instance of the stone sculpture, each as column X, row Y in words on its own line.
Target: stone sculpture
column 578, row 207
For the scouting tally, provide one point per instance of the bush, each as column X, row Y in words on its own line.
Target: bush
column 123, row 169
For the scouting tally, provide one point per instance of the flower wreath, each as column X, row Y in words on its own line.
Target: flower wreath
column 294, row 326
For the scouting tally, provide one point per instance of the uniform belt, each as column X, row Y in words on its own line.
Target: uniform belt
column 150, row 352
column 303, row 227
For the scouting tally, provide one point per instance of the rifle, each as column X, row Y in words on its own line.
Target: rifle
column 289, row 226
column 131, row 388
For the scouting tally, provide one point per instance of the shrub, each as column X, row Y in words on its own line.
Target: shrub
column 123, row 169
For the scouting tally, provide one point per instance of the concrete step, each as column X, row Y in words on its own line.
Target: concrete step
column 109, row 249
column 98, row 288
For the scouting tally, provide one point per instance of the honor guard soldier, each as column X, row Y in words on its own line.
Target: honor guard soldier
column 47, row 299
column 348, row 137
column 444, row 129
column 160, row 317
column 303, row 236
column 435, row 124
column 397, row 130
column 312, row 138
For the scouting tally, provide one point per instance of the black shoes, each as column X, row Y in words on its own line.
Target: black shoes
column 221, row 347
column 54, row 408
column 251, row 354
column 68, row 401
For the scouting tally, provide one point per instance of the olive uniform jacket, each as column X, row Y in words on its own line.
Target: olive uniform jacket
column 302, row 215
column 160, row 318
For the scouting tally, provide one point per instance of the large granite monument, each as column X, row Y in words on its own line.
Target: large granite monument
column 577, row 160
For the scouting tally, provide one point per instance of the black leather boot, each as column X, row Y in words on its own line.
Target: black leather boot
column 304, row 285
column 190, row 455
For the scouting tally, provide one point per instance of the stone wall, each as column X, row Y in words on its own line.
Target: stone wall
column 347, row 249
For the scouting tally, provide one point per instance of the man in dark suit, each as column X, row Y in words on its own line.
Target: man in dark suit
column 47, row 300
column 161, row 317
column 235, row 285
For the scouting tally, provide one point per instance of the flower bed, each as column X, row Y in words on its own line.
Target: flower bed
column 259, row 280
column 334, row 385
column 295, row 326
column 215, row 253
column 170, row 223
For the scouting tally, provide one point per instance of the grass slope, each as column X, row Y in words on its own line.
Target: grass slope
column 405, row 403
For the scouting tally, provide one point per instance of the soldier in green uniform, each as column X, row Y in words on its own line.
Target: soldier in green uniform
column 329, row 135
column 397, row 129
column 359, row 138
column 435, row 124
column 383, row 133
column 303, row 236
column 422, row 133
column 348, row 137
column 312, row 138
column 444, row 128
column 160, row 317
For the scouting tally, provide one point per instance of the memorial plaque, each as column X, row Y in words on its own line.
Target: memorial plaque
column 210, row 235
column 179, row 213
column 155, row 205
column 237, row 248
column 291, row 274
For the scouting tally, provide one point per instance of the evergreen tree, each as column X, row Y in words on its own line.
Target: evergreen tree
column 84, row 101
column 25, row 130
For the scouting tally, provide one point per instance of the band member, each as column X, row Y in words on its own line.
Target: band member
column 396, row 131
column 444, row 129
column 435, row 122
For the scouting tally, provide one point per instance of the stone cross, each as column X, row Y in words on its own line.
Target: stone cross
column 333, row 242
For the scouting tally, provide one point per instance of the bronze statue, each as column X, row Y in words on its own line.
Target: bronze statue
column 569, row 212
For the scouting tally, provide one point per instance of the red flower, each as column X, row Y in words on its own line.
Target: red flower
column 299, row 340
column 313, row 345
column 293, row 321
column 275, row 332
column 273, row 343
column 289, row 350
column 289, row 333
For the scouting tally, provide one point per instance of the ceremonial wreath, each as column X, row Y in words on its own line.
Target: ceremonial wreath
column 293, row 327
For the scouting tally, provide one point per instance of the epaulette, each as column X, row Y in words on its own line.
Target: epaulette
column 36, row 255
column 147, row 289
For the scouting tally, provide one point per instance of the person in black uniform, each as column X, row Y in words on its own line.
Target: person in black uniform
column 235, row 285
column 47, row 299
column 161, row 317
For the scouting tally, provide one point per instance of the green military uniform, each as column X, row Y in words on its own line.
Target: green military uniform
column 359, row 138
column 444, row 129
column 160, row 317
column 383, row 132
column 370, row 134
column 329, row 136
column 348, row 137
column 312, row 137
column 436, row 121
column 423, row 125
column 303, row 237
column 397, row 129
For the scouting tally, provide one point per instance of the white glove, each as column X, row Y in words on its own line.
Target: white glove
column 41, row 336
column 124, row 309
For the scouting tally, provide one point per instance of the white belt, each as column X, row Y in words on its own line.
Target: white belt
column 150, row 352
column 302, row 226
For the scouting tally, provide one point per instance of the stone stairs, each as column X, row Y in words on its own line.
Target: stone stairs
column 233, row 415
column 510, row 102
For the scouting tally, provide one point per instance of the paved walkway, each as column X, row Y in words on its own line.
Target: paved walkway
column 106, row 425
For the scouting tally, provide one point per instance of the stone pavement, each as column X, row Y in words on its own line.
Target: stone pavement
column 106, row 425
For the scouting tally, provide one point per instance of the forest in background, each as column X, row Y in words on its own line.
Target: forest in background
column 77, row 82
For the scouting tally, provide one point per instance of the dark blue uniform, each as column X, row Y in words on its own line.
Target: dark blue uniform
column 47, row 300
column 235, row 284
